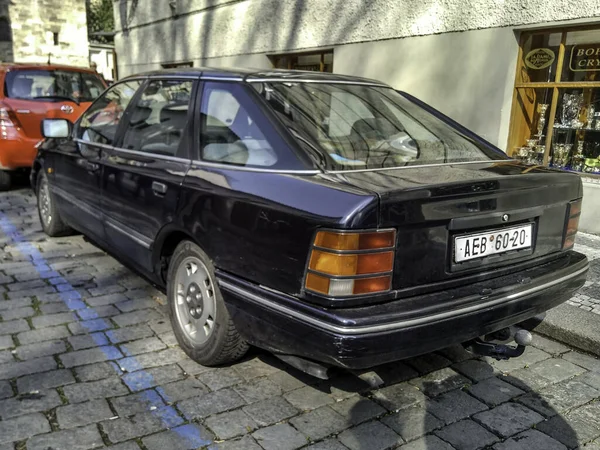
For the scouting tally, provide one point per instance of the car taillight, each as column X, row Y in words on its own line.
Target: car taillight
column 8, row 117
column 573, row 214
column 351, row 263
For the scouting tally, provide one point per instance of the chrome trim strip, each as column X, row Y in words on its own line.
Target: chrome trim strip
column 282, row 79
column 135, row 152
column 93, row 144
column 214, row 78
column 173, row 77
column 132, row 78
column 126, row 231
column 377, row 169
column 371, row 251
column 393, row 325
column 197, row 163
column 151, row 155
column 76, row 202
column 352, row 277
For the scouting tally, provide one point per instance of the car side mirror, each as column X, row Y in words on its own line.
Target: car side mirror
column 56, row 128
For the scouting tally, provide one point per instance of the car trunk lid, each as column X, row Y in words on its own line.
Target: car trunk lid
column 432, row 206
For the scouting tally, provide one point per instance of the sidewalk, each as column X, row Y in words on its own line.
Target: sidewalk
column 577, row 322
column 588, row 297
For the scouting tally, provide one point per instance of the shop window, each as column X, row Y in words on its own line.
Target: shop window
column 556, row 109
column 315, row 61
column 177, row 65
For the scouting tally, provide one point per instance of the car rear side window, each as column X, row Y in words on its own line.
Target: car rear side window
column 100, row 122
column 158, row 121
column 235, row 131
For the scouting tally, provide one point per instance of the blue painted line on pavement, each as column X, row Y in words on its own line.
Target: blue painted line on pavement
column 136, row 379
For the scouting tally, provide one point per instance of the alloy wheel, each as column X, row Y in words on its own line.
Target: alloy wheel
column 195, row 300
column 44, row 203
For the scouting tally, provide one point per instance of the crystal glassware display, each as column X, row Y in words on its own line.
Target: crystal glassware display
column 592, row 165
column 567, row 155
column 523, row 153
column 540, row 150
column 531, row 157
column 578, row 158
column 543, row 107
column 590, row 116
column 571, row 108
column 559, row 155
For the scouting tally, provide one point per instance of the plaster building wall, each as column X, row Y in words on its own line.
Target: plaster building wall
column 458, row 55
column 33, row 24
column 216, row 28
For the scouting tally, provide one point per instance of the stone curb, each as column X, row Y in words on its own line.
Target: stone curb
column 573, row 326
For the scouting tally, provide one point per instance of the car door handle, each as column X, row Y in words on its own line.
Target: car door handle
column 159, row 188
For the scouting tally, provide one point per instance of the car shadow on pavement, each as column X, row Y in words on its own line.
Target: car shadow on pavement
column 441, row 401
column 19, row 180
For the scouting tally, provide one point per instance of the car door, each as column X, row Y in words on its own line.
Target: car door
column 77, row 169
column 143, row 174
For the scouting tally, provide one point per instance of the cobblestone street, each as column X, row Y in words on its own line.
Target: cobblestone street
column 88, row 360
column 588, row 297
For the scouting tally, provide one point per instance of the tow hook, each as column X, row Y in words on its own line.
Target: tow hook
column 523, row 338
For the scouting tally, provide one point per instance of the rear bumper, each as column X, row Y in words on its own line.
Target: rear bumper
column 363, row 337
column 17, row 151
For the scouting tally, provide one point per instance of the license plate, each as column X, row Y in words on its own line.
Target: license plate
column 492, row 242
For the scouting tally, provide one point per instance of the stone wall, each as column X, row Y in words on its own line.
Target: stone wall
column 6, row 52
column 6, row 49
column 34, row 23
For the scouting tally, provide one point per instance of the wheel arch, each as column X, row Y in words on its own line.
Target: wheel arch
column 165, row 244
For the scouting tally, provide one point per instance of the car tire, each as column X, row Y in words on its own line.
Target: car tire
column 199, row 317
column 52, row 223
column 5, row 180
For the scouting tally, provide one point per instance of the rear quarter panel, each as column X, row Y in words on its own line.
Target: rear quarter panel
column 259, row 226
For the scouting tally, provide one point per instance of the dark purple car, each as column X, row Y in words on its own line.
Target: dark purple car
column 326, row 218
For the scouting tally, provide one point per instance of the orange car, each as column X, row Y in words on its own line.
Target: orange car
column 33, row 92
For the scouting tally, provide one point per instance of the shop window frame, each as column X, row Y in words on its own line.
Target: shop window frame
column 290, row 65
column 555, row 86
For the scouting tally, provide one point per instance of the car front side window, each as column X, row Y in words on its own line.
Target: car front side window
column 100, row 122
column 159, row 118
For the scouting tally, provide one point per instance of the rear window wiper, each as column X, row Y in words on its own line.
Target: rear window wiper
column 63, row 97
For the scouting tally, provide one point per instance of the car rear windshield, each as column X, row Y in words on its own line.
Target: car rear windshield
column 356, row 127
column 53, row 85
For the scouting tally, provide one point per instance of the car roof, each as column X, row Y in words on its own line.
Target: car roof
column 246, row 74
column 16, row 66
